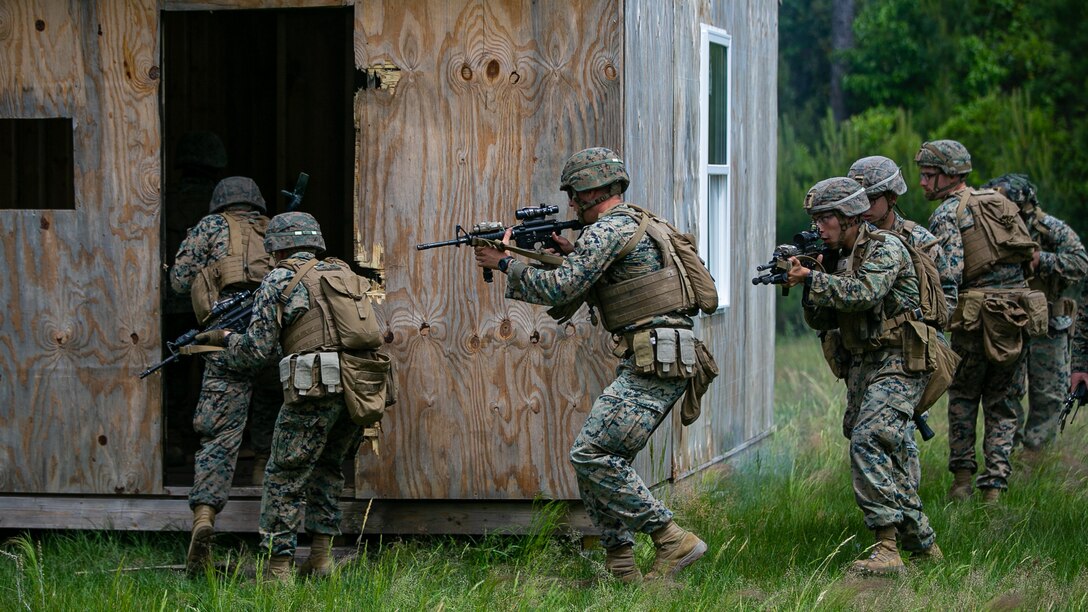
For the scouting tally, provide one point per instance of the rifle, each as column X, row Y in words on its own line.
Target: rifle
column 232, row 312
column 921, row 421
column 806, row 245
column 532, row 237
column 1077, row 396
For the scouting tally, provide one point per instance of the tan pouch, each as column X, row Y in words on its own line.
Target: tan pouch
column 351, row 310
column 704, row 293
column 835, row 354
column 706, row 370
column 1003, row 322
column 366, row 386
column 643, row 349
column 968, row 313
column 309, row 376
column 1034, row 304
column 945, row 362
column 917, row 338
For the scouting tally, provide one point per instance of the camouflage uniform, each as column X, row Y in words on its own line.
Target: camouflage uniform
column 1079, row 346
column 631, row 408
column 881, row 393
column 999, row 387
column 226, row 396
column 313, row 437
column 1062, row 266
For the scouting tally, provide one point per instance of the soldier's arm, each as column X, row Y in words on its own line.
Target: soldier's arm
column 943, row 225
column 1068, row 259
column 260, row 344
column 192, row 256
column 866, row 286
column 593, row 251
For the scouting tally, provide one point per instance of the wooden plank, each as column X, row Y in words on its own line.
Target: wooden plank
column 491, row 98
column 81, row 307
column 225, row 5
column 146, row 513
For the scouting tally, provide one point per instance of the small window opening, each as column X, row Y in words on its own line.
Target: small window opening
column 36, row 168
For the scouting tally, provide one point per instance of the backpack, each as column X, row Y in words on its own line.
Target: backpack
column 999, row 235
column 244, row 267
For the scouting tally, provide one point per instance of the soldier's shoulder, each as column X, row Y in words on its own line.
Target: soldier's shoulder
column 211, row 223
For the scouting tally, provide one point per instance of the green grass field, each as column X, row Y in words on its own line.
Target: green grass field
column 781, row 527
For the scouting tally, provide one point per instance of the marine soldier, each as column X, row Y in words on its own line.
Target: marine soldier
column 1059, row 267
column 333, row 380
column 873, row 299
column 992, row 308
column 1079, row 349
column 613, row 250
column 221, row 255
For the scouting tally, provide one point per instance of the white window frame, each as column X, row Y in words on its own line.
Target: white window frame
column 721, row 231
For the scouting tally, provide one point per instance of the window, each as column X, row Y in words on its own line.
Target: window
column 36, row 169
column 715, row 238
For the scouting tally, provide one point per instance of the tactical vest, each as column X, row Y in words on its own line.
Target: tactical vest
column 683, row 285
column 244, row 267
column 998, row 236
column 340, row 316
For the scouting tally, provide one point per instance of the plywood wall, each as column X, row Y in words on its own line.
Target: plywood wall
column 491, row 98
column 80, row 292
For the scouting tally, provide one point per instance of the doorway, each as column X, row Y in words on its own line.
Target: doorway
column 260, row 93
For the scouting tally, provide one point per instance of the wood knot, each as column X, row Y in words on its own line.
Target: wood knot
column 474, row 343
column 506, row 329
column 534, row 337
column 425, row 329
column 102, row 440
column 466, row 72
column 514, row 78
column 493, row 69
column 39, row 25
column 610, row 72
column 44, row 223
column 569, row 329
column 135, row 338
column 388, row 336
column 153, row 73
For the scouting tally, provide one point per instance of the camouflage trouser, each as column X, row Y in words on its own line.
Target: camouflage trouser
column 226, row 397
column 313, row 438
column 883, row 456
column 618, row 426
column 999, row 388
column 1048, row 383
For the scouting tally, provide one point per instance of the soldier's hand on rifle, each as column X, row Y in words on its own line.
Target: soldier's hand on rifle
column 1076, row 378
column 488, row 257
column 214, row 337
column 797, row 272
column 566, row 247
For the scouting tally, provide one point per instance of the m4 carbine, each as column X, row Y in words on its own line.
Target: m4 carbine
column 1076, row 396
column 232, row 312
column 533, row 236
column 806, row 246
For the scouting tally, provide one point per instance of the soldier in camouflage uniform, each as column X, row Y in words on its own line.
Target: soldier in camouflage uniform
column 314, row 435
column 632, row 407
column 944, row 164
column 1060, row 266
column 1078, row 362
column 226, row 396
column 871, row 299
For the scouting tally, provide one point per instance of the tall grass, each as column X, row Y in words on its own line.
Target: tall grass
column 782, row 527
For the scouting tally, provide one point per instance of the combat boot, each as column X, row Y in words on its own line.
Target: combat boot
column 320, row 563
column 260, row 461
column 676, row 549
column 932, row 554
column 278, row 569
column 990, row 495
column 200, row 543
column 885, row 557
column 961, row 485
column 620, row 563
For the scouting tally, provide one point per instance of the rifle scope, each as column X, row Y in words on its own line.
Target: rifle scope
column 539, row 212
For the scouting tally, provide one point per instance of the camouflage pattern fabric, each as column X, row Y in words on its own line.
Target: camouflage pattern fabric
column 881, row 394
column 226, row 396
column 619, row 425
column 1079, row 348
column 918, row 237
column 207, row 242
column 1063, row 263
column 999, row 388
column 220, row 417
column 883, row 455
column 312, row 438
column 630, row 409
column 592, row 168
column 949, row 156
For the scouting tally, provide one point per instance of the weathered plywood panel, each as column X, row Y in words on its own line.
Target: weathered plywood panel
column 492, row 96
column 217, row 5
column 81, row 306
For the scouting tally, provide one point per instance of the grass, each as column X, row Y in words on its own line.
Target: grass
column 781, row 529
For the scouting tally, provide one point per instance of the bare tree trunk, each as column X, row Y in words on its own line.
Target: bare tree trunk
column 842, row 39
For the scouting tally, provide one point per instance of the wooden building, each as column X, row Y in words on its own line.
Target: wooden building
column 411, row 116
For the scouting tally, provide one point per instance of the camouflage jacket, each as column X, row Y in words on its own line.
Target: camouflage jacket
column 1080, row 337
column 260, row 344
column 946, row 228
column 1063, row 262
column 884, row 282
column 591, row 262
column 918, row 237
column 206, row 243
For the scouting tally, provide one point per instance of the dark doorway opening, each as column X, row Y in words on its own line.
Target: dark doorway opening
column 274, row 88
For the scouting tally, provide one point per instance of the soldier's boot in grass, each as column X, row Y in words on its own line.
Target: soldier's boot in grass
column 320, row 563
column 932, row 554
column 990, row 495
column 278, row 569
column 260, row 461
column 676, row 549
column 885, row 557
column 200, row 542
column 620, row 563
column 961, row 485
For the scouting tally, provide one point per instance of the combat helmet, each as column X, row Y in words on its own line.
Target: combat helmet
column 839, row 194
column 1016, row 187
column 200, row 149
column 236, row 190
column 293, row 230
column 949, row 156
column 878, row 175
column 593, row 168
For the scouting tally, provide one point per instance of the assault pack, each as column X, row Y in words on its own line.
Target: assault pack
column 244, row 267
column 998, row 236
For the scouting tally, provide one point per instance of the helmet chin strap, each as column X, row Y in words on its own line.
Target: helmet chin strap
column 583, row 205
column 942, row 193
